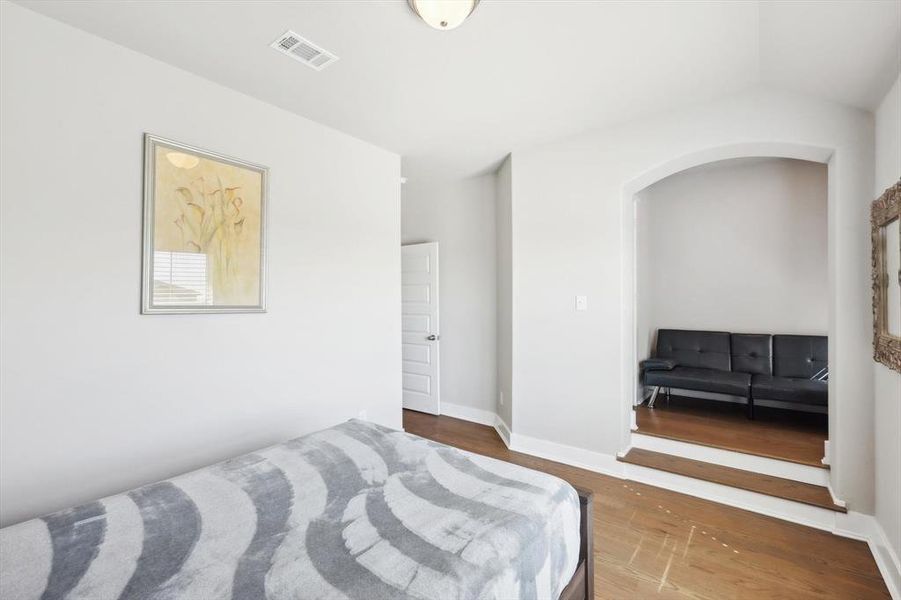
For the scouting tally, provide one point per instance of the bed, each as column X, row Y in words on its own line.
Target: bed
column 357, row 511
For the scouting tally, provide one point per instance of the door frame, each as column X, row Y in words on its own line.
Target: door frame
column 434, row 329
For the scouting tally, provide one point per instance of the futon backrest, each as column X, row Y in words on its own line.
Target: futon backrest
column 705, row 349
column 799, row 355
column 752, row 353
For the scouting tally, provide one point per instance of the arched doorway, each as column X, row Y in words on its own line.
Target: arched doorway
column 634, row 187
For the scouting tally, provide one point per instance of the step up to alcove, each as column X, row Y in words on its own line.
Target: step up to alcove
column 776, row 434
column 778, row 487
column 737, row 460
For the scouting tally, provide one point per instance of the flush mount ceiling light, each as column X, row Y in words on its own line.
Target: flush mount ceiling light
column 443, row 14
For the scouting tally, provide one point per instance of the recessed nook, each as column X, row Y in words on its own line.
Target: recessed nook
column 732, row 290
column 730, row 267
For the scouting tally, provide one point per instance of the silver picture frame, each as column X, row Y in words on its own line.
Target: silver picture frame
column 148, row 305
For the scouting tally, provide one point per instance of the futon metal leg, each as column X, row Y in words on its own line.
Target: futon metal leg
column 654, row 396
column 667, row 396
column 750, row 408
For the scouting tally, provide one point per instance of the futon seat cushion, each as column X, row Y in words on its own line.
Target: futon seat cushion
column 790, row 389
column 706, row 380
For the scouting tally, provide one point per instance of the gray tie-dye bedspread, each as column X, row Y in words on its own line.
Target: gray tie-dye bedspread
column 357, row 511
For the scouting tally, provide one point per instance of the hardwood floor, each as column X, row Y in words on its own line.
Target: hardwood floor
column 815, row 495
column 787, row 435
column 653, row 543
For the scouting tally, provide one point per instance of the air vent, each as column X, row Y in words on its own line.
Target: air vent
column 303, row 50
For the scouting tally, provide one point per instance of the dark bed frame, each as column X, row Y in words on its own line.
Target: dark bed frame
column 581, row 586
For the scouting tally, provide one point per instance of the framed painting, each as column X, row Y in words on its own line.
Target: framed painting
column 204, row 231
column 885, row 231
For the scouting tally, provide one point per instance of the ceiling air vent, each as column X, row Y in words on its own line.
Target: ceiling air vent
column 303, row 50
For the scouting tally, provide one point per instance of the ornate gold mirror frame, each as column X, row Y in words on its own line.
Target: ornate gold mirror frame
column 886, row 345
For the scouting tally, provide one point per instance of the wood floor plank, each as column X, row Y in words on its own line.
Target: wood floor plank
column 653, row 543
column 806, row 493
column 774, row 433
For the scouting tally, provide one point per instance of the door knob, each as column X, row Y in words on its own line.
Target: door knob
column 432, row 338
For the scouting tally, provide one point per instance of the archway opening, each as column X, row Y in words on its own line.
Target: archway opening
column 634, row 344
column 732, row 288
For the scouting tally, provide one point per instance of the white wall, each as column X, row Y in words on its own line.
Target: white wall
column 573, row 233
column 504, row 206
column 96, row 398
column 737, row 245
column 459, row 215
column 888, row 382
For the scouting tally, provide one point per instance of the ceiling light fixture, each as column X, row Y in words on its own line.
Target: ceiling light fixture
column 443, row 14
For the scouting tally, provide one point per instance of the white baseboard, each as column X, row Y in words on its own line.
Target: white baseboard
column 503, row 430
column 867, row 528
column 835, row 499
column 851, row 525
column 480, row 416
column 569, row 455
column 886, row 559
column 468, row 413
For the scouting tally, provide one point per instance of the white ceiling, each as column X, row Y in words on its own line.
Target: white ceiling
column 517, row 72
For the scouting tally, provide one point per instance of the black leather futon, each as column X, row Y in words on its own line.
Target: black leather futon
column 787, row 368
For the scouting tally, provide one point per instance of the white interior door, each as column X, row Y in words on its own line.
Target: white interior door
column 419, row 297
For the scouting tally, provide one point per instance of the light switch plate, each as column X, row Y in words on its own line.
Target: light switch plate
column 581, row 303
